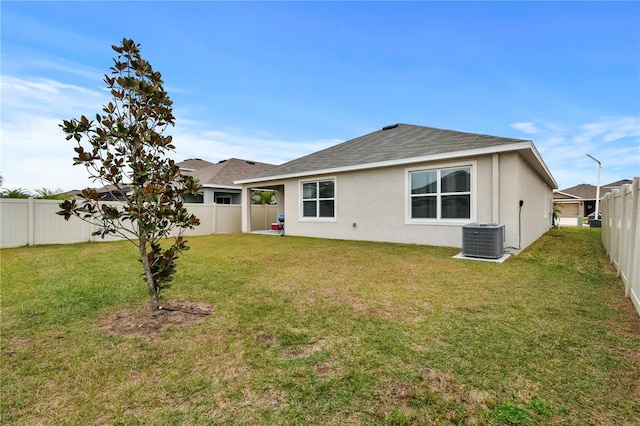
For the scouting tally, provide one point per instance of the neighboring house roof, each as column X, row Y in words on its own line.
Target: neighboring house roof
column 585, row 191
column 618, row 184
column 107, row 193
column 193, row 164
column 224, row 173
column 559, row 195
column 582, row 191
column 403, row 144
column 221, row 174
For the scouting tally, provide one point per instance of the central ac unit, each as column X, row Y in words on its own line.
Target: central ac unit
column 483, row 240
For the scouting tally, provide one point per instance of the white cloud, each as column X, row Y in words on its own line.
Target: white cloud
column 195, row 140
column 47, row 96
column 526, row 127
column 610, row 129
column 35, row 153
column 554, row 140
column 615, row 141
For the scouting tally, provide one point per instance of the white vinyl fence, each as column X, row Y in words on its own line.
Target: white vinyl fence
column 621, row 235
column 32, row 222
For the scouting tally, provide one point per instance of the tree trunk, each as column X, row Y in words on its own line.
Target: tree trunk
column 148, row 275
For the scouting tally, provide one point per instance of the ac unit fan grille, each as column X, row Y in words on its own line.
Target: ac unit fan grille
column 483, row 240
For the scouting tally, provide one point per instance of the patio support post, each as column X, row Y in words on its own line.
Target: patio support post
column 246, row 208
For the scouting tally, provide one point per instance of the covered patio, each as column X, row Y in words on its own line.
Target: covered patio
column 259, row 224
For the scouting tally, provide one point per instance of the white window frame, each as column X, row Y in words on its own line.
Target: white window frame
column 472, row 165
column 335, row 200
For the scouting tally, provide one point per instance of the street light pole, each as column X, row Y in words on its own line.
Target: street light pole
column 597, row 188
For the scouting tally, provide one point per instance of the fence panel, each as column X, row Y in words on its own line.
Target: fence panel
column 228, row 218
column 206, row 213
column 262, row 216
column 617, row 228
column 50, row 228
column 625, row 232
column 31, row 222
column 633, row 275
column 14, row 217
column 621, row 236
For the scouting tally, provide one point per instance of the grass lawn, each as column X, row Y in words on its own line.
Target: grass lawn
column 311, row 331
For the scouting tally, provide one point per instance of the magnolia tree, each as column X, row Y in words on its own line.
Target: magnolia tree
column 124, row 149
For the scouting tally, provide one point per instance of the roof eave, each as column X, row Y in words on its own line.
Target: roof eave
column 213, row 185
column 567, row 194
column 520, row 146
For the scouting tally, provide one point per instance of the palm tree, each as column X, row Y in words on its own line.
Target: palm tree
column 263, row 197
column 15, row 193
column 557, row 208
column 48, row 194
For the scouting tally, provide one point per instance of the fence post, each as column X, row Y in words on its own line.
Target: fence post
column 619, row 247
column 31, row 221
column 604, row 207
column 632, row 274
column 214, row 211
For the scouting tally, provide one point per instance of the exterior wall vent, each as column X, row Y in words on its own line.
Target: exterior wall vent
column 483, row 240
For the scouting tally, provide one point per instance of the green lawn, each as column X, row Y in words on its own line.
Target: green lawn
column 310, row 331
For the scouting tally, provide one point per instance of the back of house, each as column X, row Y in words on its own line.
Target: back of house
column 413, row 184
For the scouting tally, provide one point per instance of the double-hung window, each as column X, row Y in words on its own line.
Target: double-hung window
column 319, row 199
column 440, row 194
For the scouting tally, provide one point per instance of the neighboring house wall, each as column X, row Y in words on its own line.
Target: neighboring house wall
column 575, row 208
column 571, row 208
column 217, row 179
column 580, row 200
column 228, row 197
column 373, row 204
column 210, row 195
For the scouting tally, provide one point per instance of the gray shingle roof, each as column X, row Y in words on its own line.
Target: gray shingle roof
column 193, row 164
column 227, row 171
column 586, row 191
column 396, row 142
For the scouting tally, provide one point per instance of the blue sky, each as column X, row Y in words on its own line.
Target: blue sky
column 272, row 81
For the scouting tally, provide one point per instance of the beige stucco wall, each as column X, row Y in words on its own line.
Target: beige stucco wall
column 372, row 204
column 375, row 201
column 518, row 181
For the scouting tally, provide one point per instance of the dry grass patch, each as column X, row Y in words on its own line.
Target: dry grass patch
column 142, row 321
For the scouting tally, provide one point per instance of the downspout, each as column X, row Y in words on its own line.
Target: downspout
column 521, row 203
column 520, row 225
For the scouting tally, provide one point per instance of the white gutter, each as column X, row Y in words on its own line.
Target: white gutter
column 211, row 185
